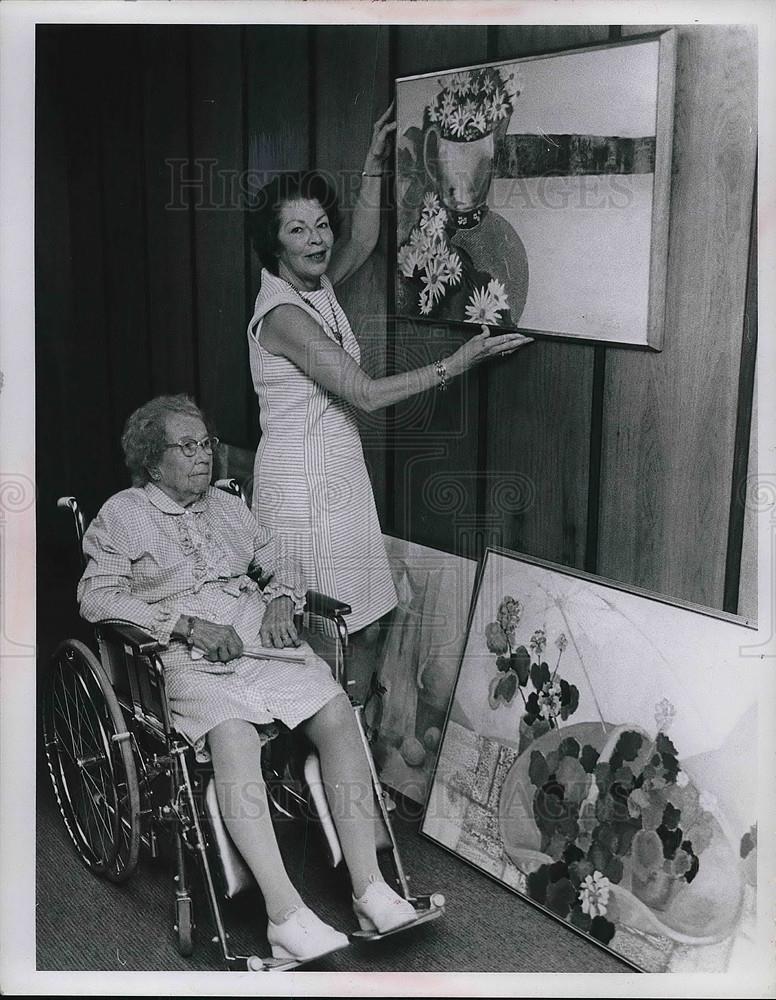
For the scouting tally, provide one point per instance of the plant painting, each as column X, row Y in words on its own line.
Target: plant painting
column 534, row 193
column 598, row 758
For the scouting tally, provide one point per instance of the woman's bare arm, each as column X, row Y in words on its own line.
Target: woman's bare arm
column 289, row 332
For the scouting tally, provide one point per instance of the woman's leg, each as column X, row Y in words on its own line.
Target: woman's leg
column 235, row 748
column 348, row 783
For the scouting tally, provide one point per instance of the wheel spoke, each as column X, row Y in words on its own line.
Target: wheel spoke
column 93, row 775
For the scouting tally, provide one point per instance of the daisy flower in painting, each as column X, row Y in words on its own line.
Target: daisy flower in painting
column 430, row 204
column 459, row 84
column 479, row 121
column 594, row 894
column 433, row 278
column 498, row 107
column 453, row 268
column 408, row 261
column 469, row 108
column 434, row 227
column 458, row 120
column 482, row 307
column 424, row 302
column 488, row 84
column 498, row 293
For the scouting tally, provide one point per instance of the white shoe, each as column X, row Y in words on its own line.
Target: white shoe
column 303, row 936
column 381, row 909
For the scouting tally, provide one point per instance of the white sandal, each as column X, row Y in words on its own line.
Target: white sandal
column 304, row 936
column 381, row 909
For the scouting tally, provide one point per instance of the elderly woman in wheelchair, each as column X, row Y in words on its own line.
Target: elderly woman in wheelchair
column 178, row 558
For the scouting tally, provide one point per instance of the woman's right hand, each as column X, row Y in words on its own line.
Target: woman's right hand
column 483, row 346
column 218, row 642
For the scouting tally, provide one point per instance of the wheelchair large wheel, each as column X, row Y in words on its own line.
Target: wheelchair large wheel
column 91, row 763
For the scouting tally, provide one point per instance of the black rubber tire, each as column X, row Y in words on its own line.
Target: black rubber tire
column 91, row 763
column 184, row 925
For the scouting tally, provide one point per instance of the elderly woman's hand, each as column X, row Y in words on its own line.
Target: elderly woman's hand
column 380, row 146
column 218, row 642
column 277, row 626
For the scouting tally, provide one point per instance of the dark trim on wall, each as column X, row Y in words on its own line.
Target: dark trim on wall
column 192, row 219
column 481, row 487
column 594, row 465
column 138, row 60
column 389, row 510
column 250, row 430
column 312, row 79
column 746, row 378
column 596, row 430
column 105, row 236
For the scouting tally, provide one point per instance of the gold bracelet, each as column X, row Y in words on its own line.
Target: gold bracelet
column 190, row 632
column 365, row 174
column 439, row 368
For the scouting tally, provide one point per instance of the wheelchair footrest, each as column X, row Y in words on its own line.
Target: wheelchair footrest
column 256, row 964
column 428, row 908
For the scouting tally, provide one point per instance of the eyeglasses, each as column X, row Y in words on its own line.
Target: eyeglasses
column 189, row 445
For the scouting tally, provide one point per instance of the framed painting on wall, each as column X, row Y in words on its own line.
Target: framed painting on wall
column 534, row 193
column 599, row 757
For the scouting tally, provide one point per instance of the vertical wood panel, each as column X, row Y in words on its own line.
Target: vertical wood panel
column 219, row 229
column 89, row 405
column 171, row 308
column 276, row 61
column 53, row 285
column 121, row 130
column 670, row 418
column 539, row 403
column 357, row 97
column 435, row 437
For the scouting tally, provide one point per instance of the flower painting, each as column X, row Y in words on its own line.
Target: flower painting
column 533, row 193
column 599, row 758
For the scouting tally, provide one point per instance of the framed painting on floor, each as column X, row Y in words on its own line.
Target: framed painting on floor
column 417, row 663
column 599, row 757
column 534, row 193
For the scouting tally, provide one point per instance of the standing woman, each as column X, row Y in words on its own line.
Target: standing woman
column 311, row 486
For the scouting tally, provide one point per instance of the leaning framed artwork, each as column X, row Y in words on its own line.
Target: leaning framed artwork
column 599, row 757
column 534, row 193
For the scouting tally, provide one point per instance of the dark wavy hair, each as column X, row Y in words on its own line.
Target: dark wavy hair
column 264, row 219
column 145, row 433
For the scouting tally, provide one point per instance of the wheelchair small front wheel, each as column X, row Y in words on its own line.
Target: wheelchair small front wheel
column 184, row 925
column 90, row 761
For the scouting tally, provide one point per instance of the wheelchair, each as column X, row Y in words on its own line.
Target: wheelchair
column 125, row 780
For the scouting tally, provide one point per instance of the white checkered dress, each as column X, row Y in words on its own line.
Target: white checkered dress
column 150, row 561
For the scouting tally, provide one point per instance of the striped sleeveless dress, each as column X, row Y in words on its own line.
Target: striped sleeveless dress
column 311, row 486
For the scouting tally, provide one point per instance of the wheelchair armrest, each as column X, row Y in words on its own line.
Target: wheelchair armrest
column 326, row 607
column 141, row 642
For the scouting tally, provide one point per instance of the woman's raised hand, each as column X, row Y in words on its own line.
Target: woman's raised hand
column 380, row 146
column 483, row 346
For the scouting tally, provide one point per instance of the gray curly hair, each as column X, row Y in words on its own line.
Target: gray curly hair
column 145, row 434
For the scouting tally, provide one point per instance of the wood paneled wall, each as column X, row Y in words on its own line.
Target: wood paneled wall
column 614, row 460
